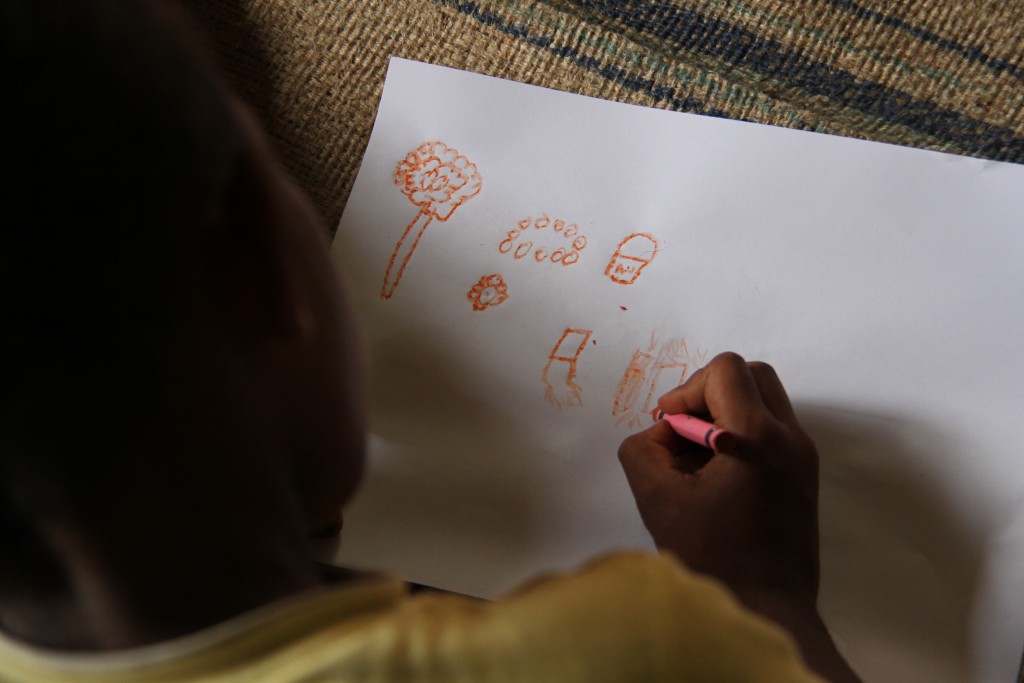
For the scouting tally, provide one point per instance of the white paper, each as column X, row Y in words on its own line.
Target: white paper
column 883, row 283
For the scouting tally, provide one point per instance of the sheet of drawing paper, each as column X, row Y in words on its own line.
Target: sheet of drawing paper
column 534, row 268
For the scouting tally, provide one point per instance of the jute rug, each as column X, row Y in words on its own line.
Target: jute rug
column 938, row 75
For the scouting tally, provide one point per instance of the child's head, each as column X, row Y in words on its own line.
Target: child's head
column 167, row 302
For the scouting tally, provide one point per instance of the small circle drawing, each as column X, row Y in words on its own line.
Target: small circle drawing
column 563, row 244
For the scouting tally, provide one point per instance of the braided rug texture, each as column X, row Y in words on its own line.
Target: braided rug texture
column 932, row 74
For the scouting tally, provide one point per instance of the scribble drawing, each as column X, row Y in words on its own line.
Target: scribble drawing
column 489, row 291
column 559, row 376
column 436, row 178
column 652, row 372
column 562, row 244
column 632, row 256
column 632, row 383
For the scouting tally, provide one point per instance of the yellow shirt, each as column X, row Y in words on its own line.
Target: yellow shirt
column 630, row 617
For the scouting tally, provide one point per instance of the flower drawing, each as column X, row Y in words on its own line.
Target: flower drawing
column 436, row 178
column 490, row 290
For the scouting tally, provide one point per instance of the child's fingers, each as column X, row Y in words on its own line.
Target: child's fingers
column 691, row 401
column 649, row 462
column 773, row 394
column 725, row 389
column 691, row 458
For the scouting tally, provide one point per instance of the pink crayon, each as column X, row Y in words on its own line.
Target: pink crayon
column 698, row 431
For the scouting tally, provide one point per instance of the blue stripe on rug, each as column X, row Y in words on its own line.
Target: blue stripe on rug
column 658, row 93
column 972, row 53
column 693, row 31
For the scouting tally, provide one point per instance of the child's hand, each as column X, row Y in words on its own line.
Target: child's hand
column 747, row 516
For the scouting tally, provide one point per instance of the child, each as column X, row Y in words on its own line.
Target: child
column 182, row 407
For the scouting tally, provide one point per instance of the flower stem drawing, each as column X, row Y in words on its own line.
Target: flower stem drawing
column 436, row 178
column 402, row 253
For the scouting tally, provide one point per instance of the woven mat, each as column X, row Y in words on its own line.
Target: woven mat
column 938, row 75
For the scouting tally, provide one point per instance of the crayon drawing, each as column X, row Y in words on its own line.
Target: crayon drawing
column 489, row 291
column 544, row 240
column 652, row 372
column 436, row 178
column 559, row 376
column 634, row 253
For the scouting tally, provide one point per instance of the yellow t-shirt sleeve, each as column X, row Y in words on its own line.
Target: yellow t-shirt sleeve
column 629, row 617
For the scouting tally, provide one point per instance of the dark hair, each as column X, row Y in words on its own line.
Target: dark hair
column 116, row 137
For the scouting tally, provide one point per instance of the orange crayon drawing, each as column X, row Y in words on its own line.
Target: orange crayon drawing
column 631, row 257
column 559, row 376
column 650, row 373
column 489, row 291
column 436, row 178
column 562, row 244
